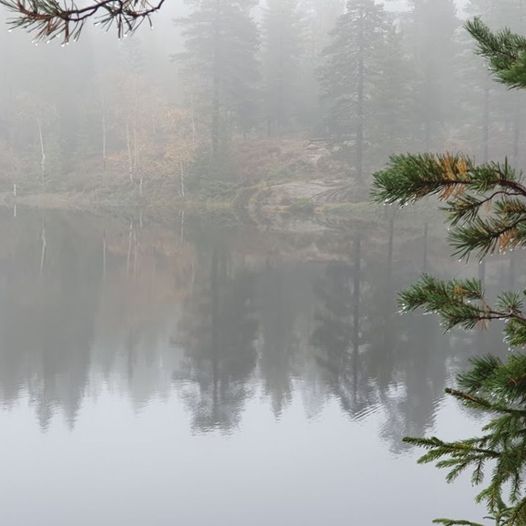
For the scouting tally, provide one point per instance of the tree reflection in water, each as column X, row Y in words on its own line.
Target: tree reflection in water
column 218, row 331
column 220, row 318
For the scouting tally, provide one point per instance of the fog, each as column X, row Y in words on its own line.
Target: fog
column 131, row 109
column 198, row 299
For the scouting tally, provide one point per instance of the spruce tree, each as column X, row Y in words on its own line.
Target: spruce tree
column 496, row 107
column 317, row 22
column 283, row 50
column 476, row 101
column 220, row 63
column 322, row 16
column 432, row 34
column 486, row 207
column 391, row 104
column 348, row 75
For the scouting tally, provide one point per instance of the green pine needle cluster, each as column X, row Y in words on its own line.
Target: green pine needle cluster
column 497, row 389
column 485, row 206
column 461, row 303
column 504, row 50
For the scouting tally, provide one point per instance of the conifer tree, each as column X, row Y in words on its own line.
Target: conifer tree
column 486, row 207
column 495, row 107
column 283, row 49
column 432, row 33
column 317, row 22
column 476, row 101
column 222, row 42
column 349, row 72
column 322, row 16
column 391, row 105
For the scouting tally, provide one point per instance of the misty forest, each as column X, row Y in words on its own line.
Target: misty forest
column 260, row 262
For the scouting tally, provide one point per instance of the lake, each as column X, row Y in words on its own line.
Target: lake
column 196, row 371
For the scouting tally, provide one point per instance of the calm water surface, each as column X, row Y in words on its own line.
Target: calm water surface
column 189, row 373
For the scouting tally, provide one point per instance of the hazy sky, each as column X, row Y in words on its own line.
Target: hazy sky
column 400, row 4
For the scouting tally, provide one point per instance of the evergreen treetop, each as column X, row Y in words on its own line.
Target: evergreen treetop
column 221, row 66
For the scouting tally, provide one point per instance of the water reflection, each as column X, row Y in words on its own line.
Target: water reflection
column 221, row 317
column 218, row 331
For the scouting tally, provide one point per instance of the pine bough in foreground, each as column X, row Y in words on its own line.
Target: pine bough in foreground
column 486, row 208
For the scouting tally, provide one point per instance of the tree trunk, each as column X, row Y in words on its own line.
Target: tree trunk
column 216, row 343
column 129, row 148
column 356, row 293
column 215, row 82
column 104, row 147
column 356, row 315
column 194, row 127
column 361, row 100
column 181, row 231
column 42, row 151
column 104, row 256
column 130, row 242
column 181, row 168
column 43, row 248
column 135, row 253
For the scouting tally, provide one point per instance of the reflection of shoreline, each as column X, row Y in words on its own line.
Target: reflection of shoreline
column 276, row 220
column 212, row 314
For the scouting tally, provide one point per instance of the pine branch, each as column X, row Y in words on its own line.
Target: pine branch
column 409, row 178
column 504, row 50
column 494, row 380
column 450, row 522
column 486, row 236
column 461, row 303
column 518, row 515
column 49, row 19
column 486, row 205
column 437, row 448
column 481, row 403
column 466, row 207
column 504, row 446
